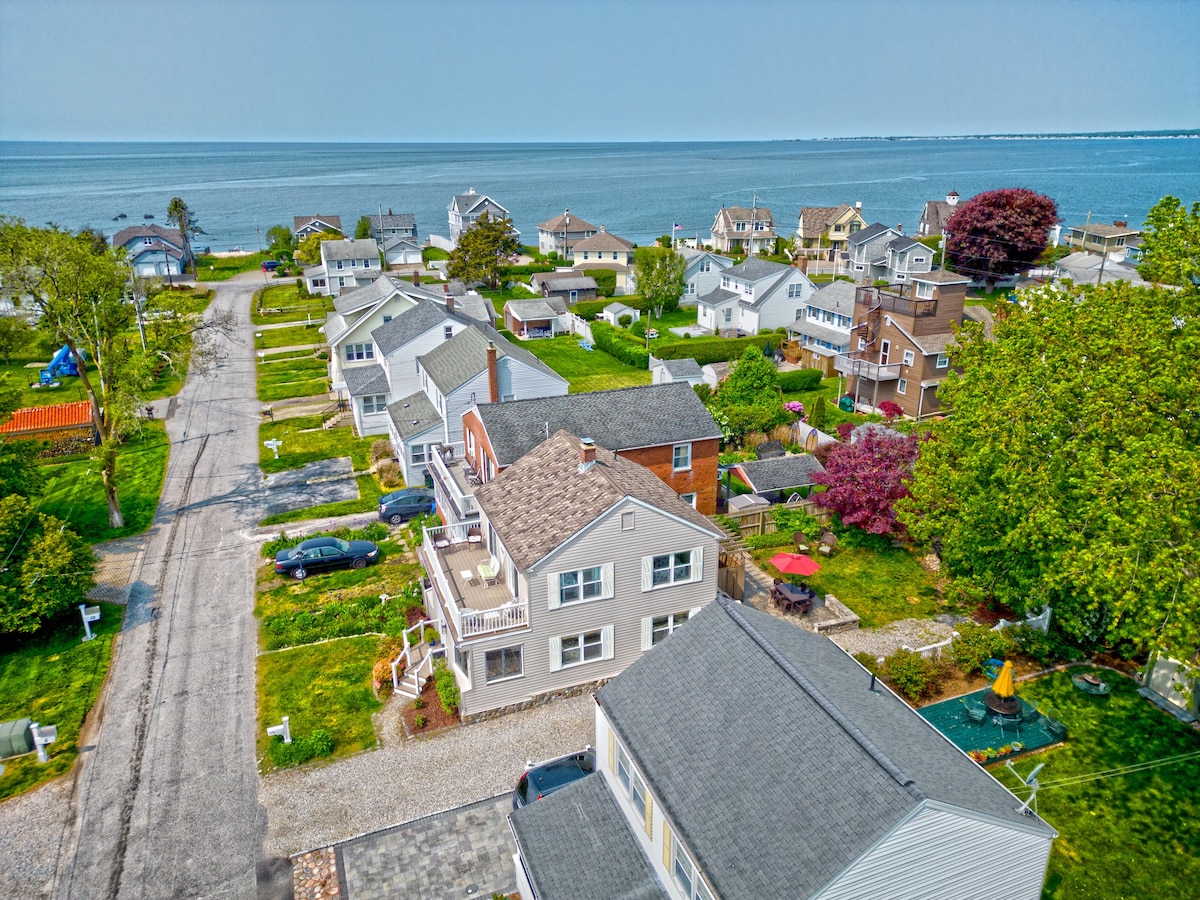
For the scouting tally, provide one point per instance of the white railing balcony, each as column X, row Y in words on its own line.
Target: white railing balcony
column 452, row 483
column 853, row 363
column 452, row 560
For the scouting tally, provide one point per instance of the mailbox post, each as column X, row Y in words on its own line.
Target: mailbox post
column 90, row 614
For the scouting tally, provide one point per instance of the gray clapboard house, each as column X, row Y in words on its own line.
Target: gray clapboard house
column 751, row 758
column 582, row 561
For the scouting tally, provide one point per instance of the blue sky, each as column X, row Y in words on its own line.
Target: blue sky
column 580, row 70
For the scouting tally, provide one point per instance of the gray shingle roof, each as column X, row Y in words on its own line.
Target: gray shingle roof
column 365, row 381
column 569, row 282
column 863, row 235
column 603, row 240
column 530, row 310
column 543, row 499
column 1105, row 231
column 334, row 222
column 394, row 242
column 413, row 415
column 396, row 220
column 577, row 845
column 363, row 248
column 623, row 419
column 940, row 276
column 780, row 473
column 831, row 767
column 576, row 224
column 717, row 297
column 935, row 215
column 902, row 243
column 465, row 355
column 681, row 368
column 466, row 203
column 413, row 323
column 755, row 269
column 837, row 296
column 367, row 295
column 169, row 235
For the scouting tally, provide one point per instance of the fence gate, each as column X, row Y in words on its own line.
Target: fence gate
column 731, row 574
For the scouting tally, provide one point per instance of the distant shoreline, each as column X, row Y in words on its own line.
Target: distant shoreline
column 1085, row 136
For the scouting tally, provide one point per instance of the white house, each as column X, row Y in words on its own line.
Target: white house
column 355, row 315
column 475, row 365
column 702, row 273
column 344, row 264
column 748, row 758
column 465, row 209
column 586, row 561
column 755, row 295
column 742, row 228
column 823, row 330
column 665, row 371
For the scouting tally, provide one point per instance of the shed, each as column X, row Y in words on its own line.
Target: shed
column 664, row 371
column 16, row 738
column 779, row 475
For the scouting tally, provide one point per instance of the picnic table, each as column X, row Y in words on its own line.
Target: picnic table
column 792, row 598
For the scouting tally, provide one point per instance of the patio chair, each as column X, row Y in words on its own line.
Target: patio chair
column 828, row 542
column 975, row 710
column 490, row 572
column 800, row 539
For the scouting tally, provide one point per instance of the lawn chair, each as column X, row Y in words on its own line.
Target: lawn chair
column 828, row 542
column 489, row 572
column 975, row 710
column 801, row 541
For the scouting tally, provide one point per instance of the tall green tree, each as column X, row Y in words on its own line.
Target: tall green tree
column 1171, row 243
column 309, row 249
column 281, row 239
column 181, row 216
column 362, row 229
column 483, row 249
column 1068, row 473
column 79, row 289
column 659, row 278
column 47, row 567
column 15, row 334
column 20, row 474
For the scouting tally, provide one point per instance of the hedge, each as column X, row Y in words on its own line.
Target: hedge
column 589, row 309
column 606, row 281
column 714, row 349
column 799, row 380
column 531, row 269
column 609, row 340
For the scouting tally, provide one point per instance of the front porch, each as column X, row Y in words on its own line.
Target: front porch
column 453, row 557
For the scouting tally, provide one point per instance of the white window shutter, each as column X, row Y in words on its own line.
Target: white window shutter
column 698, row 564
column 647, row 573
column 606, row 580
column 552, row 592
column 555, row 654
column 606, row 641
column 647, row 633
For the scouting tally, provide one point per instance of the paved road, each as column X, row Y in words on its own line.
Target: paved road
column 165, row 804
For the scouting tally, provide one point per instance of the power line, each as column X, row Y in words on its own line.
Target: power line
column 1147, row 765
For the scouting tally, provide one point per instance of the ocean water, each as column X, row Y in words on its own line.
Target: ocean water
column 638, row 190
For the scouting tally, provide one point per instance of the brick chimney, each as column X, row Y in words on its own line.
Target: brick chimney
column 1121, row 223
column 449, row 303
column 445, row 287
column 416, row 278
column 587, row 454
column 493, row 375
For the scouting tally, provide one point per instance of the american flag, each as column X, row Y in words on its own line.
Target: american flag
column 677, row 227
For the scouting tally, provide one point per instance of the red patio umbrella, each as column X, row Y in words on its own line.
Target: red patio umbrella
column 795, row 564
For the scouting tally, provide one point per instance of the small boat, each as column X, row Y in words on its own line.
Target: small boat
column 119, row 216
column 148, row 216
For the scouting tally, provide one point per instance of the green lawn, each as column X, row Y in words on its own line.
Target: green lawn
column 585, row 370
column 333, row 604
column 287, row 376
column 1122, row 835
column 326, row 686
column 74, row 492
column 221, row 268
column 296, row 336
column 286, row 305
column 54, row 679
column 304, row 441
column 879, row 586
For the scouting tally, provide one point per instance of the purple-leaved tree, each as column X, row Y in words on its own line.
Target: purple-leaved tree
column 999, row 233
column 864, row 479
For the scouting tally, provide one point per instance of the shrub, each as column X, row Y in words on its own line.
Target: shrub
column 626, row 320
column 389, row 474
column 781, row 433
column 890, row 409
column 638, row 328
column 976, row 644
column 608, row 339
column 531, row 269
column 799, row 380
column 843, row 431
column 606, row 281
column 446, row 686
column 911, row 674
column 816, row 415
column 772, row 539
column 301, row 749
column 419, row 703
column 707, row 350
column 868, row 661
column 381, row 449
column 703, row 391
column 1046, row 647
column 420, row 721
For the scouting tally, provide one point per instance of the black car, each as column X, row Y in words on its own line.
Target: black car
column 400, row 506
column 546, row 778
column 320, row 554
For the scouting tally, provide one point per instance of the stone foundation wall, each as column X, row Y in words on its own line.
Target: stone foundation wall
column 538, row 700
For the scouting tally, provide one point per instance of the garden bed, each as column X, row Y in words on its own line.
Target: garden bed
column 436, row 719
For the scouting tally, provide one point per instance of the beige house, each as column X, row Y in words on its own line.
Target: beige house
column 1099, row 238
column 580, row 562
column 604, row 250
column 740, row 229
column 561, row 233
column 821, row 231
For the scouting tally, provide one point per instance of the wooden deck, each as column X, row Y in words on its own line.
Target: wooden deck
column 460, row 563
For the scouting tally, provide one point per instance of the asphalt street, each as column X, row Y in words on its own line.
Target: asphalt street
column 165, row 800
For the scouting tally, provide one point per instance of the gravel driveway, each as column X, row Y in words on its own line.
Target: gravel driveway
column 402, row 779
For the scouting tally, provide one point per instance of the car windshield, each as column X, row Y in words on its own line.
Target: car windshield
column 344, row 546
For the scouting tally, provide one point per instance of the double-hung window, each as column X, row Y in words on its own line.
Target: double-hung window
column 687, row 876
column 655, row 628
column 376, row 403
column 586, row 584
column 356, row 352
column 670, row 568
column 503, row 663
column 943, row 361
column 795, row 290
column 634, row 788
column 908, row 357
column 577, row 649
column 681, row 457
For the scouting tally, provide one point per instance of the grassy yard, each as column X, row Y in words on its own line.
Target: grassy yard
column 1121, row 834
column 879, row 586
column 221, row 268
column 54, row 679
column 287, row 375
column 334, row 604
column 326, row 686
column 585, row 370
column 74, row 492
column 296, row 336
column 304, row 441
column 282, row 303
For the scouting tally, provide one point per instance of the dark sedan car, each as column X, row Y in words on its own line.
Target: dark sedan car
column 546, row 778
column 400, row 506
column 323, row 553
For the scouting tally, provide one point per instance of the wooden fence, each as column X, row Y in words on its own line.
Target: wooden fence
column 760, row 521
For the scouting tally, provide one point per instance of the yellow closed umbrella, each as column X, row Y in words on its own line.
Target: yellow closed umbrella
column 1004, row 686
